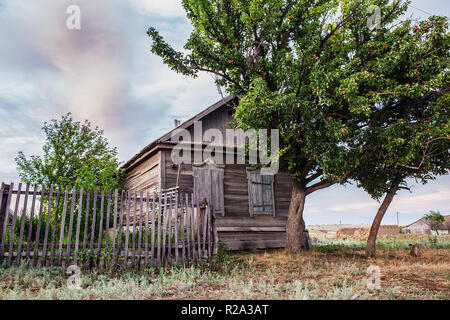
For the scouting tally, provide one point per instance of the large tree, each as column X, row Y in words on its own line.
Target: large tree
column 308, row 68
column 408, row 137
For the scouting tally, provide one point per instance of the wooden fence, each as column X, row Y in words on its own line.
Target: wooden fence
column 60, row 226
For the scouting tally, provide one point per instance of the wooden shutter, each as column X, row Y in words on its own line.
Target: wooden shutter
column 208, row 183
column 260, row 193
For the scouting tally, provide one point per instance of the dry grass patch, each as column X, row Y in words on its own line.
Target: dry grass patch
column 326, row 272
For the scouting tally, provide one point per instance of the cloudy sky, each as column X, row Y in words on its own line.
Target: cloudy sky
column 106, row 73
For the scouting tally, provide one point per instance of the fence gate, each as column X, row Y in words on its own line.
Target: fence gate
column 44, row 226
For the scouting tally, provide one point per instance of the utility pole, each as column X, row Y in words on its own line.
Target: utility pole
column 398, row 224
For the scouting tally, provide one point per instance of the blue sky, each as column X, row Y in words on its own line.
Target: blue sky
column 106, row 73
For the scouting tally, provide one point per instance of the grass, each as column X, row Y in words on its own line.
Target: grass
column 328, row 271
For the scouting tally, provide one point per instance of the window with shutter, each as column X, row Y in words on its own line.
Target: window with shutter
column 261, row 193
column 208, row 184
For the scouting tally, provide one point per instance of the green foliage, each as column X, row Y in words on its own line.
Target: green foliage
column 74, row 154
column 345, row 98
column 435, row 216
column 435, row 220
column 433, row 241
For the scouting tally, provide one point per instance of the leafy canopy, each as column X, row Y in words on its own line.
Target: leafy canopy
column 312, row 69
column 409, row 134
column 74, row 154
column 435, row 220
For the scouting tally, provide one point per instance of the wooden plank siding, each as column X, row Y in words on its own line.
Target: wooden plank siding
column 144, row 176
column 237, row 205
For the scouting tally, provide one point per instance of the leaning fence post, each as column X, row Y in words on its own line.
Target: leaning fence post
column 215, row 235
column 4, row 206
column 202, row 204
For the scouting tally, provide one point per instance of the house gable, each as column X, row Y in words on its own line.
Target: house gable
column 216, row 116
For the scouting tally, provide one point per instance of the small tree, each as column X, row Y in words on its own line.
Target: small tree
column 435, row 220
column 74, row 154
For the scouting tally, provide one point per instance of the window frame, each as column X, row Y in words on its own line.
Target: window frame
column 252, row 203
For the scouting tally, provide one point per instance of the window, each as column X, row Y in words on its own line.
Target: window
column 208, row 184
column 260, row 193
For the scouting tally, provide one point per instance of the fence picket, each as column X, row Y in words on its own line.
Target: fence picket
column 133, row 239
column 193, row 228
column 30, row 226
column 176, row 227
column 38, row 229
column 69, row 232
column 188, row 227
column 164, row 233
column 205, row 223
column 13, row 225
column 146, row 228
column 127, row 229
column 86, row 219
column 209, row 230
column 119, row 236
column 77, row 234
column 47, row 224
column 182, row 227
column 153, row 227
column 108, row 214
column 55, row 224
column 158, row 254
column 63, row 221
column 22, row 225
column 100, row 231
column 197, row 228
column 113, row 240
column 169, row 227
column 5, row 223
column 94, row 221
column 140, row 229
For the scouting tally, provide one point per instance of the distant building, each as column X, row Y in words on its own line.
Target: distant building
column 422, row 226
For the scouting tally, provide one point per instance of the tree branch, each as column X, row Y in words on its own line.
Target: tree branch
column 326, row 183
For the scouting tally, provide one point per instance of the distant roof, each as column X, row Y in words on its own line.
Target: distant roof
column 446, row 219
column 183, row 125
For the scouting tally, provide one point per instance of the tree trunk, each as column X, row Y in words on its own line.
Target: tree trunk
column 371, row 241
column 295, row 224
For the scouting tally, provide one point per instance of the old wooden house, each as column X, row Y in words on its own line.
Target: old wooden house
column 251, row 209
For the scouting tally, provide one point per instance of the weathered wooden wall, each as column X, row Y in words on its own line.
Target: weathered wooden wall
column 144, row 176
column 237, row 215
column 217, row 119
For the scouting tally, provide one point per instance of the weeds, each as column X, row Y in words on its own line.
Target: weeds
column 328, row 271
